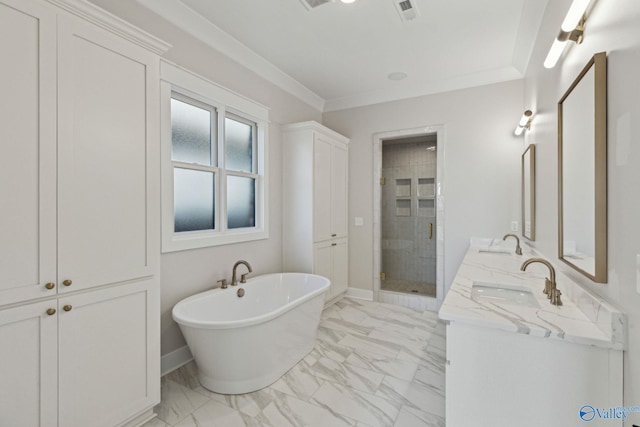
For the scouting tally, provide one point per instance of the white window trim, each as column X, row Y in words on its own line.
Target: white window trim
column 177, row 79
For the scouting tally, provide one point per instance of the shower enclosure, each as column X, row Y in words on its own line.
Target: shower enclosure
column 408, row 215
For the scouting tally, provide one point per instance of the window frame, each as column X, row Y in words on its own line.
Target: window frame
column 186, row 86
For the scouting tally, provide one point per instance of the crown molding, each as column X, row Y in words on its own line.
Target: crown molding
column 199, row 27
column 100, row 17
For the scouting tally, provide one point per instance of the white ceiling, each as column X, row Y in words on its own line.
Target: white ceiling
column 339, row 55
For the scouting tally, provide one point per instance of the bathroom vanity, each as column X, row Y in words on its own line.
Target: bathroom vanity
column 513, row 359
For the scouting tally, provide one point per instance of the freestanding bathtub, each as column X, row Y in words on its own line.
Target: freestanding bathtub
column 243, row 344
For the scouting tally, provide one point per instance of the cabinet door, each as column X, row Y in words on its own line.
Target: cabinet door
column 105, row 337
column 339, row 190
column 322, row 264
column 28, row 145
column 321, row 189
column 340, row 262
column 105, row 93
column 28, row 372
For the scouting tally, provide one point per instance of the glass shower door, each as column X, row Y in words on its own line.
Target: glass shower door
column 408, row 217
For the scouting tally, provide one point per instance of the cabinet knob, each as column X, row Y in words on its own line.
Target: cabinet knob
column 50, row 285
column 67, row 307
column 51, row 311
column 67, row 282
column 333, row 235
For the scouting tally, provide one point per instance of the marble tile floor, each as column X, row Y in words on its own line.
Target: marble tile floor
column 373, row 365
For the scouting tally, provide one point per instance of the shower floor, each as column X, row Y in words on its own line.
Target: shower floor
column 409, row 287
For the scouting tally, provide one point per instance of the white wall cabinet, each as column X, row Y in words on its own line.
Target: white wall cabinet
column 79, row 245
column 105, row 373
column 29, row 368
column 28, row 142
column 329, row 188
column 315, row 214
column 330, row 260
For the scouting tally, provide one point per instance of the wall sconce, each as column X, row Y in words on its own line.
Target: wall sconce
column 572, row 29
column 525, row 122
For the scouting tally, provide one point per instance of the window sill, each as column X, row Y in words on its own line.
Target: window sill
column 195, row 240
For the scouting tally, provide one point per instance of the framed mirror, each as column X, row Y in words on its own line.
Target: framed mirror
column 582, row 172
column 529, row 193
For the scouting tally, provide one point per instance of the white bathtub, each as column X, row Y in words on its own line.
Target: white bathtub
column 244, row 344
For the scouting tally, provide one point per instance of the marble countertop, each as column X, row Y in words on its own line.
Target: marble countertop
column 582, row 319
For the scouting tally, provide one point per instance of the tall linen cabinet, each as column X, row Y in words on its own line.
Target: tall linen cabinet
column 79, row 226
column 315, row 204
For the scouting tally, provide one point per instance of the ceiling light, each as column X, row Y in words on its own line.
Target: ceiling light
column 397, row 75
column 525, row 122
column 572, row 29
column 347, row 1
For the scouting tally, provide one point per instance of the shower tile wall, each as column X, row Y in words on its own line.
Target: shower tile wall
column 408, row 207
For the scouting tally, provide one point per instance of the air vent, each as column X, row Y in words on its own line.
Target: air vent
column 311, row 4
column 407, row 9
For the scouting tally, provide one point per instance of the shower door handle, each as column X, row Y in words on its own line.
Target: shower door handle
column 430, row 230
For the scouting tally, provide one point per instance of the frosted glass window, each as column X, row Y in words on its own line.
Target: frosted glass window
column 214, row 173
column 238, row 145
column 194, row 193
column 241, row 202
column 191, row 129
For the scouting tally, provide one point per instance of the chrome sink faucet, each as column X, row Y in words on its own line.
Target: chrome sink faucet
column 243, row 278
column 518, row 248
column 550, row 289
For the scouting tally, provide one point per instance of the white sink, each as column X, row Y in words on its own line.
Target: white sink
column 503, row 294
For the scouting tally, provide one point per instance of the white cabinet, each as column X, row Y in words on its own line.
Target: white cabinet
column 329, row 188
column 503, row 379
column 315, row 220
column 79, row 245
column 79, row 360
column 29, row 368
column 330, row 260
column 107, row 88
column 28, row 143
column 105, row 374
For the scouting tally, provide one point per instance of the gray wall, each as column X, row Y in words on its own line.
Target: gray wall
column 613, row 27
column 188, row 272
column 481, row 167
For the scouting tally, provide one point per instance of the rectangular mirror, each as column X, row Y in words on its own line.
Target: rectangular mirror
column 582, row 172
column 529, row 193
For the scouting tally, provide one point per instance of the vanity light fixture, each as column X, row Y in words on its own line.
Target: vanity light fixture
column 572, row 29
column 525, row 122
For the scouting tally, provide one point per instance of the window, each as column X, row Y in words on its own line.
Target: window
column 213, row 164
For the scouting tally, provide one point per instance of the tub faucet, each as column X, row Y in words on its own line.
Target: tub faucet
column 550, row 289
column 518, row 248
column 243, row 278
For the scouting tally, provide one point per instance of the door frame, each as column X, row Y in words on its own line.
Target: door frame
column 432, row 304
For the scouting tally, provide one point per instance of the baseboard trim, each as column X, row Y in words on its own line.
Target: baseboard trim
column 359, row 294
column 174, row 360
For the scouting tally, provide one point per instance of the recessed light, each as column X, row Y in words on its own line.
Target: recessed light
column 398, row 75
column 347, row 1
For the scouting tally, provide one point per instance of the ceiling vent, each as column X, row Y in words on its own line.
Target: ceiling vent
column 311, row 4
column 407, row 9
